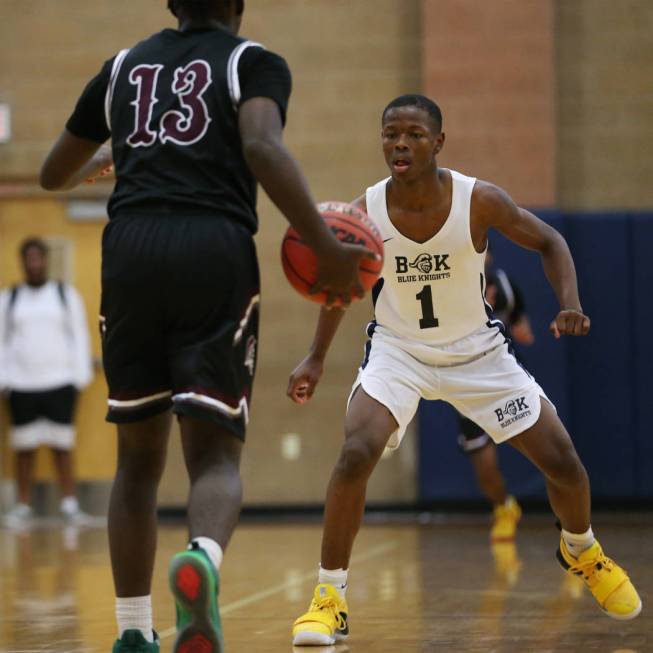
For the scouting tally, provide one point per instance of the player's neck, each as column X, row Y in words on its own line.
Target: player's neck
column 187, row 24
column 416, row 194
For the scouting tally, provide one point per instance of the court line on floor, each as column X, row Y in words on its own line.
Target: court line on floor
column 374, row 552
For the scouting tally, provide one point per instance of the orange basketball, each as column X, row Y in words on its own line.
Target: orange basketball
column 350, row 225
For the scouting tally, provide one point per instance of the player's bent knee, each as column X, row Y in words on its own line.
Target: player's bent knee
column 567, row 468
column 359, row 455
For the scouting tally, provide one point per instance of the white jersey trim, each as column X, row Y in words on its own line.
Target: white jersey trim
column 233, row 80
column 108, row 98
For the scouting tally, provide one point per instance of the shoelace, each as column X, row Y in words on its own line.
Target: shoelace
column 587, row 566
column 329, row 603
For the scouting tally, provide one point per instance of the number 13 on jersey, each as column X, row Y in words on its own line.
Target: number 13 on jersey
column 183, row 127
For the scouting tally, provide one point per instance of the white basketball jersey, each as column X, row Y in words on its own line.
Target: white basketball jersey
column 431, row 292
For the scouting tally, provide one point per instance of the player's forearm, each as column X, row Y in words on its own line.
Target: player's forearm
column 327, row 326
column 561, row 272
column 89, row 170
column 71, row 161
column 279, row 175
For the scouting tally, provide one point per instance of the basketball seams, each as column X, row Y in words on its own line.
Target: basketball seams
column 348, row 224
column 291, row 267
column 361, row 227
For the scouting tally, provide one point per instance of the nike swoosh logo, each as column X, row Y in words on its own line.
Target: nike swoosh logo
column 387, row 239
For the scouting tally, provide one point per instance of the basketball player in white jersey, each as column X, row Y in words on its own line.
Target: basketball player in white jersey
column 434, row 337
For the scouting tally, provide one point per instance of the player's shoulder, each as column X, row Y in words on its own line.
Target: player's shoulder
column 361, row 202
column 257, row 55
column 489, row 199
column 377, row 189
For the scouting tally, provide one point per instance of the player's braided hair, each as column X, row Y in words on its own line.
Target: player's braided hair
column 201, row 9
column 419, row 101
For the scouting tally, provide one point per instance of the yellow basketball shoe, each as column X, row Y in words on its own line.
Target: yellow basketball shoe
column 506, row 562
column 506, row 518
column 326, row 619
column 607, row 581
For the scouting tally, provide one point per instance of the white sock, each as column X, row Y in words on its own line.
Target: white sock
column 135, row 613
column 211, row 548
column 578, row 542
column 335, row 577
column 69, row 505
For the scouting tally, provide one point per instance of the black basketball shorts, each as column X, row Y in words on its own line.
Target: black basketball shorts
column 472, row 437
column 179, row 318
column 56, row 405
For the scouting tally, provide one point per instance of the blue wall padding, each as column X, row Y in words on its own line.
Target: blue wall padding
column 601, row 379
column 641, row 266
column 602, row 385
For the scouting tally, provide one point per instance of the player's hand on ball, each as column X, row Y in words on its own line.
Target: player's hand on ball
column 338, row 273
column 570, row 323
column 304, row 378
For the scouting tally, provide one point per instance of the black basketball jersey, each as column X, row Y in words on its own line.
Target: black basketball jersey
column 509, row 304
column 170, row 105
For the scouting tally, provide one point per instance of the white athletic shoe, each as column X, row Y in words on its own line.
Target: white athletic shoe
column 20, row 516
column 78, row 518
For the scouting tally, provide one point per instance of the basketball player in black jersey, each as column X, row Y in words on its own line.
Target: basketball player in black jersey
column 195, row 117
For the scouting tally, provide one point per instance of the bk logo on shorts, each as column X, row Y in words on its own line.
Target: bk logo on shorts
column 513, row 410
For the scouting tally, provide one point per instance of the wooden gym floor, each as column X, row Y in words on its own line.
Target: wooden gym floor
column 430, row 586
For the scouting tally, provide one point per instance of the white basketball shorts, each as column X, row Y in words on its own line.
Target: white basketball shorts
column 490, row 388
column 42, row 432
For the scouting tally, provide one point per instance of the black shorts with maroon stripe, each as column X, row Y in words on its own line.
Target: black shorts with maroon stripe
column 179, row 317
column 471, row 437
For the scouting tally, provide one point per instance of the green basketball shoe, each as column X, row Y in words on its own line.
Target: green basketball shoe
column 132, row 641
column 195, row 584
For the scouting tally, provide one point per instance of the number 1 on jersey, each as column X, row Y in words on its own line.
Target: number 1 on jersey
column 144, row 78
column 428, row 319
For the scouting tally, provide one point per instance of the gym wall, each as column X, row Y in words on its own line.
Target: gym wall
column 344, row 73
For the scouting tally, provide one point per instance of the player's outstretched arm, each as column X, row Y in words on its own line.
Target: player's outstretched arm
column 307, row 374
column 73, row 160
column 281, row 178
column 495, row 208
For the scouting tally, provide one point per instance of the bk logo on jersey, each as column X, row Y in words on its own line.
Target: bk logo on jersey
column 428, row 267
column 424, row 263
column 514, row 410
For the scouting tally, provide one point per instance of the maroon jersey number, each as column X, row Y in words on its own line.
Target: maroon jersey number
column 144, row 78
column 184, row 126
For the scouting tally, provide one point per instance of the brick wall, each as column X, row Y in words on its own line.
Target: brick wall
column 490, row 67
column 348, row 60
column 551, row 99
column 604, row 52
